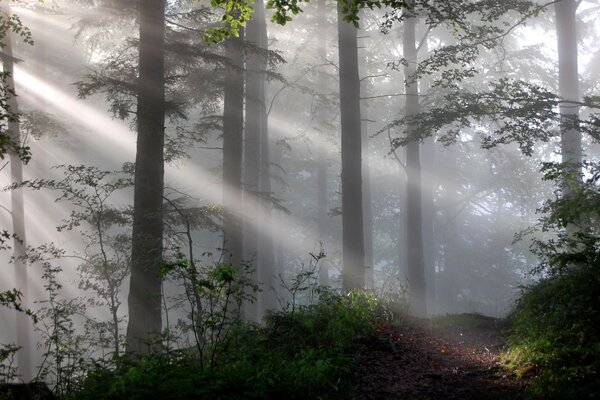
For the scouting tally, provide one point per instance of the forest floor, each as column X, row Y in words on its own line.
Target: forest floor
column 450, row 358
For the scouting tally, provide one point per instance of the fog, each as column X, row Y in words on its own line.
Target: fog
column 477, row 190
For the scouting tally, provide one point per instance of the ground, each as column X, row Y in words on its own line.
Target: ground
column 444, row 358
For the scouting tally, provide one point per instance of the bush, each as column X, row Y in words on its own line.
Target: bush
column 555, row 338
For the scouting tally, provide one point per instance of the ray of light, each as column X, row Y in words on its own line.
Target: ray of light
column 388, row 165
column 116, row 138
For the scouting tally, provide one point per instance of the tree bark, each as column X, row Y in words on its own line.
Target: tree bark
column 414, row 224
column 233, row 127
column 353, row 274
column 145, row 319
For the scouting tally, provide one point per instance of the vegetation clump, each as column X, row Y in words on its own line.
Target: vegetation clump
column 302, row 352
column 555, row 339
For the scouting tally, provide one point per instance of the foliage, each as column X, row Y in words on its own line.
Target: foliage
column 303, row 288
column 555, row 337
column 63, row 349
column 235, row 13
column 214, row 295
column 10, row 23
column 8, row 371
column 305, row 354
column 105, row 230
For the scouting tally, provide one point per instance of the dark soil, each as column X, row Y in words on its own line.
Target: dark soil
column 449, row 358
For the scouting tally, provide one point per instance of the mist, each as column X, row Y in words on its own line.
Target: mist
column 161, row 153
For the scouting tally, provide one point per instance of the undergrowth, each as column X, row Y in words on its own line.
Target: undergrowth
column 299, row 354
column 555, row 341
column 556, row 337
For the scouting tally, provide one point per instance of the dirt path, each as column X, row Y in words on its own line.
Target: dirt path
column 436, row 360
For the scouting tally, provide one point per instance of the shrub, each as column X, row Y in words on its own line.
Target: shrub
column 555, row 338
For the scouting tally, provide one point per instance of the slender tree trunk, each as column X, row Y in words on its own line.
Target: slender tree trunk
column 414, row 222
column 266, row 263
column 367, row 210
column 145, row 319
column 568, row 85
column 233, row 127
column 353, row 274
column 428, row 212
column 322, row 162
column 18, row 221
column 252, row 162
column 428, row 184
column 450, row 242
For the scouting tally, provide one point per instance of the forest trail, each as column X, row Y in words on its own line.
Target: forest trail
column 453, row 358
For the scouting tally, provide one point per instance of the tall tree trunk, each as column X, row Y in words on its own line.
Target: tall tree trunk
column 367, row 211
column 145, row 319
column 353, row 274
column 428, row 213
column 266, row 262
column 233, row 127
column 252, row 147
column 568, row 85
column 18, row 220
column 428, row 184
column 414, row 224
column 322, row 162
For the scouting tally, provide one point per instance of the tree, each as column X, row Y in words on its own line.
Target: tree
column 568, row 86
column 322, row 162
column 104, row 229
column 233, row 127
column 11, row 143
column 267, row 272
column 145, row 320
column 17, row 211
column 414, row 217
column 257, row 128
column 353, row 275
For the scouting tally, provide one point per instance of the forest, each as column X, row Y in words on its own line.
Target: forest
column 284, row 199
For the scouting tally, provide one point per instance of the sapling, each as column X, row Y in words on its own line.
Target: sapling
column 105, row 229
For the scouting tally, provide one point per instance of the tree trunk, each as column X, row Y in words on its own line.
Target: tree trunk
column 414, row 224
column 252, row 147
column 18, row 221
column 233, row 127
column 367, row 211
column 568, row 86
column 353, row 274
column 322, row 162
column 145, row 319
column 266, row 263
column 428, row 213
